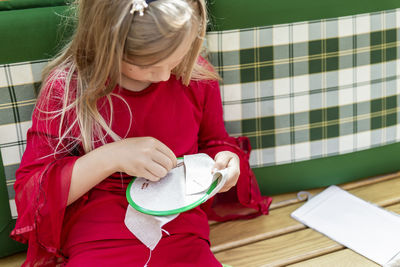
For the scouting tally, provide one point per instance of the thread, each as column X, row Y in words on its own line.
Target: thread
column 147, row 262
column 165, row 231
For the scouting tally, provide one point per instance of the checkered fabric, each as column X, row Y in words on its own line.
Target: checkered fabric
column 313, row 89
column 299, row 91
column 19, row 85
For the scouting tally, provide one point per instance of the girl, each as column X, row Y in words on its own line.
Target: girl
column 127, row 96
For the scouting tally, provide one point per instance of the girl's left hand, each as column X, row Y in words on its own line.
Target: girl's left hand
column 227, row 159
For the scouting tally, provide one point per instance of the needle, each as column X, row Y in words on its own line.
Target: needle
column 178, row 165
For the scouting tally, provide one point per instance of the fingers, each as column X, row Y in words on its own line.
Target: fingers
column 222, row 160
column 142, row 157
column 226, row 159
column 161, row 160
column 168, row 153
column 149, row 176
column 154, row 172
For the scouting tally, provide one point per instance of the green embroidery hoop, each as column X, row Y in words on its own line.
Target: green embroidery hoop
column 168, row 212
column 172, row 211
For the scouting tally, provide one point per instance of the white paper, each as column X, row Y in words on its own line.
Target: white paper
column 361, row 226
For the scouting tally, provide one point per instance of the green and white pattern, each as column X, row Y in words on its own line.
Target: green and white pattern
column 299, row 91
column 312, row 89
column 19, row 84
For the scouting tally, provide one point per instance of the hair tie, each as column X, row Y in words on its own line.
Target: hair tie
column 139, row 6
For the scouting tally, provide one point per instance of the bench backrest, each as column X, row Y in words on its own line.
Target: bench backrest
column 318, row 99
column 29, row 35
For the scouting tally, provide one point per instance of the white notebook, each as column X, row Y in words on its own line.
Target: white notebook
column 361, row 226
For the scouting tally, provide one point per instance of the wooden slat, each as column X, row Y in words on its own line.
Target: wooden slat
column 383, row 194
column 283, row 250
column 342, row 258
column 15, row 260
column 279, row 225
column 287, row 199
column 237, row 233
column 395, row 208
column 291, row 198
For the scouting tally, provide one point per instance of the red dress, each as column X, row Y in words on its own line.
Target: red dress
column 91, row 231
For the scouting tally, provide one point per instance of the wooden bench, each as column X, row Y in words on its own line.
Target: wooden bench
column 279, row 240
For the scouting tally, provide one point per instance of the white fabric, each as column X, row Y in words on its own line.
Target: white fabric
column 198, row 173
column 146, row 228
column 164, row 195
column 181, row 187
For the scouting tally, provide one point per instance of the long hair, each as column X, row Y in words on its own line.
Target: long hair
column 107, row 33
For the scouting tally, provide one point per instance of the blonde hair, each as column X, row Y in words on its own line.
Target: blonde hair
column 106, row 34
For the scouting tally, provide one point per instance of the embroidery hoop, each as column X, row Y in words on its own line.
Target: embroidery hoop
column 201, row 199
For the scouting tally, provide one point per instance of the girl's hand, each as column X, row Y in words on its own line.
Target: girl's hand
column 227, row 159
column 143, row 157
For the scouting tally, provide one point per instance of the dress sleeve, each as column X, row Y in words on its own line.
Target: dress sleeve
column 243, row 200
column 42, row 184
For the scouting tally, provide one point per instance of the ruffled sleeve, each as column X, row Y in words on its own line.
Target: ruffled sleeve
column 243, row 200
column 42, row 184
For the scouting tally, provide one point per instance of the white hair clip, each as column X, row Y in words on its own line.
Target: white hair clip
column 138, row 6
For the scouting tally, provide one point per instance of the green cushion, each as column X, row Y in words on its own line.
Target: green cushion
column 7, row 245
column 18, row 94
column 238, row 14
column 308, row 94
column 31, row 34
column 25, row 4
column 30, row 30
column 327, row 171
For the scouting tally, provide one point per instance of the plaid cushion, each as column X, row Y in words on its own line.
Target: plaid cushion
column 19, row 84
column 299, row 91
column 313, row 89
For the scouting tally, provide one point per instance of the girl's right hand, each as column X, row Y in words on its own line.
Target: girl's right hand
column 144, row 157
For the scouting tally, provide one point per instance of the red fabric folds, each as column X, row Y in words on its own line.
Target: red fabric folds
column 42, row 183
column 188, row 120
column 40, row 221
column 243, row 201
